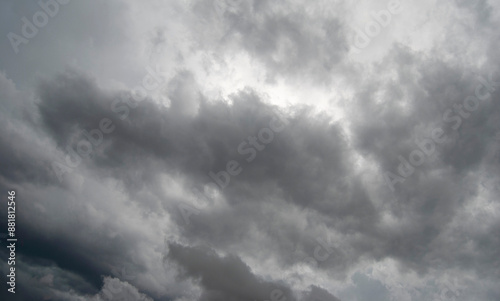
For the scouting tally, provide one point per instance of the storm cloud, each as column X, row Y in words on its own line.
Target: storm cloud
column 252, row 150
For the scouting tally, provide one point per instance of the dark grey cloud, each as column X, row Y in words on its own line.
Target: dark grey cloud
column 317, row 181
column 429, row 199
column 117, row 196
column 229, row 278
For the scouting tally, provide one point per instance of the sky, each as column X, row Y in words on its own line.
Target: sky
column 251, row 150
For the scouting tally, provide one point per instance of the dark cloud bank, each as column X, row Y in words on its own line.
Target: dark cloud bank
column 116, row 200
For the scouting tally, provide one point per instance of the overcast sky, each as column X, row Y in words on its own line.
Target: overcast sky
column 233, row 150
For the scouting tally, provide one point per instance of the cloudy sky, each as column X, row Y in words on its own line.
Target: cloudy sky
column 233, row 150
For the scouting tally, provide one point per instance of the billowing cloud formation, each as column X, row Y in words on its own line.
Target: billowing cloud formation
column 246, row 150
column 229, row 278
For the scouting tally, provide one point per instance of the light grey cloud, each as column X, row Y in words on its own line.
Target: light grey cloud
column 110, row 183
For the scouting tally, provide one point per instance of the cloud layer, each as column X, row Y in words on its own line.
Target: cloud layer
column 251, row 150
